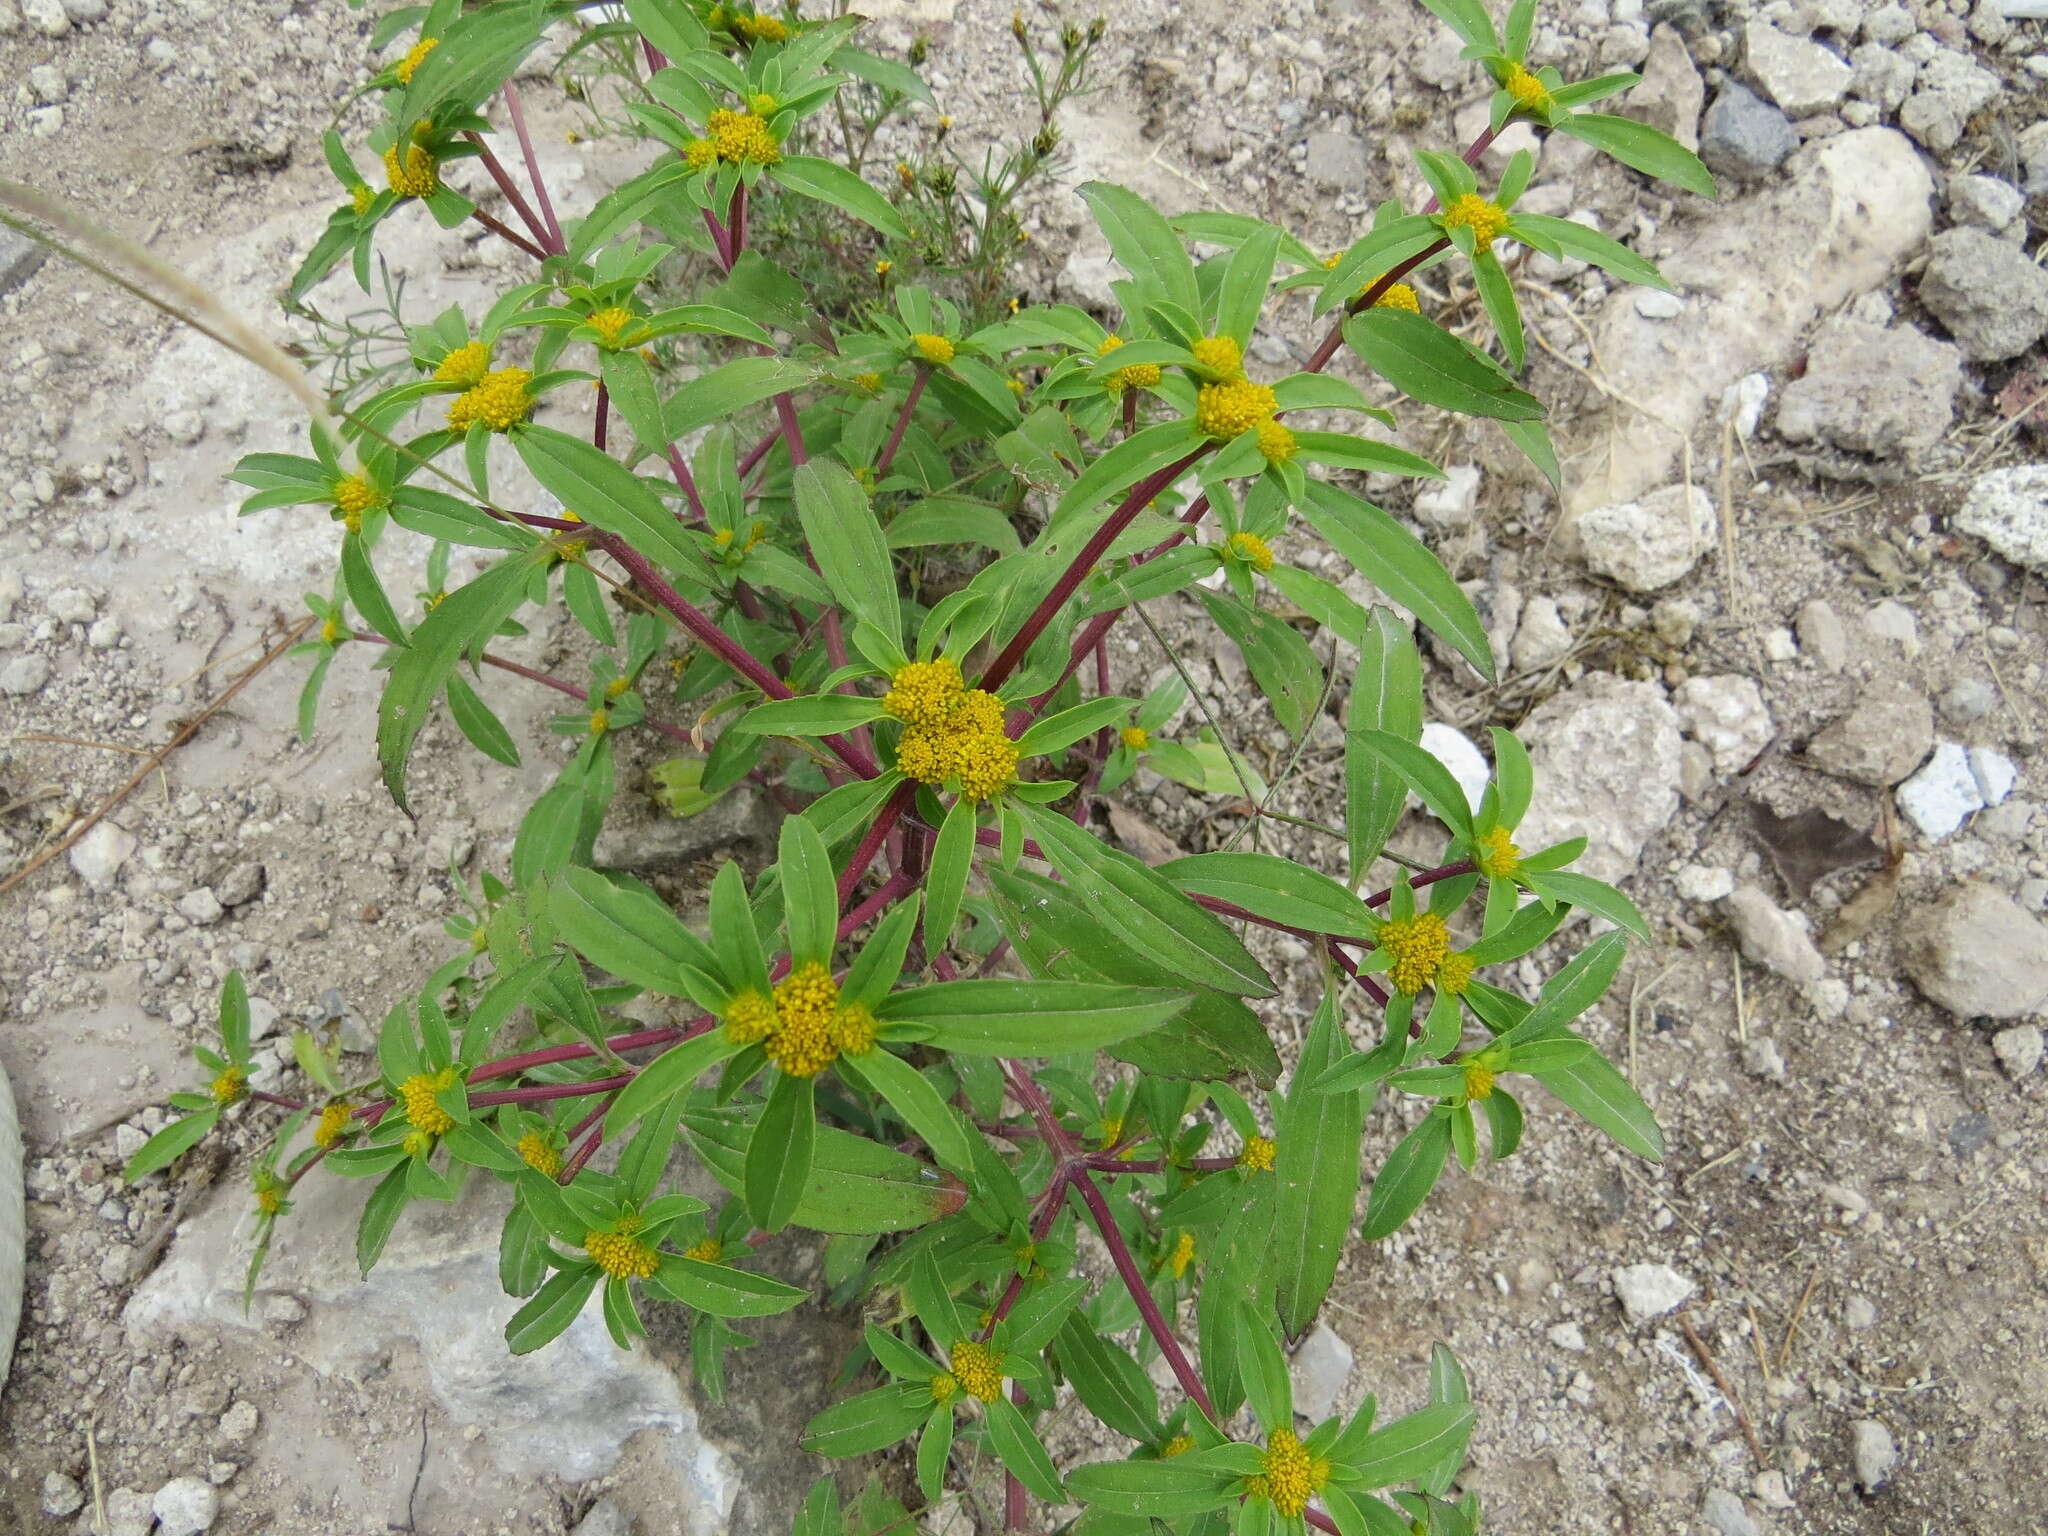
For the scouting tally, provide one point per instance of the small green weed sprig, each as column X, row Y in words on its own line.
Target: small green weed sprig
column 868, row 560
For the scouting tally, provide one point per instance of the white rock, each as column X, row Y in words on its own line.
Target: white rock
column 1322, row 1368
column 1984, row 200
column 1726, row 715
column 1606, row 756
column 1656, row 304
column 607, row 1517
column 1453, row 748
column 24, row 675
column 185, row 1506
column 1823, row 636
column 1976, row 953
column 1875, row 1453
column 1798, row 74
column 46, row 16
column 1894, row 622
column 201, row 907
column 1774, row 938
column 98, row 856
column 1650, row 1290
column 1995, row 774
column 1773, row 1491
column 128, row 1513
column 1541, row 638
column 2008, row 509
column 1744, row 401
column 1566, row 1336
column 1703, row 882
column 2018, row 1050
column 238, row 1425
column 1649, row 543
column 72, row 605
column 1451, row 503
column 1724, row 1511
column 1859, row 1312
column 1943, row 794
column 61, row 1495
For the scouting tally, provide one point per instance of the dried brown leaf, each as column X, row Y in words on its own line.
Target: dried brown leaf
column 1810, row 846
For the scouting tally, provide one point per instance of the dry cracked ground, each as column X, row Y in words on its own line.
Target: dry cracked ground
column 1777, row 650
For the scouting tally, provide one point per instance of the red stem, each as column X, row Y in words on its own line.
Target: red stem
column 902, row 421
column 871, row 841
column 506, row 232
column 1141, row 1293
column 510, row 188
column 604, row 409
column 540, row 186
column 680, row 468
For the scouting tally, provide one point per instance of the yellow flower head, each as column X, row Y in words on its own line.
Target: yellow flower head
column 944, row 1385
column 1179, row 1445
column 749, row 1017
column 269, row 1196
column 417, row 1143
column 417, row 1094
column 1183, row 1255
column 1225, row 410
column 539, row 1154
column 1528, row 91
column 1110, row 1131
column 608, row 323
column 978, row 1369
column 331, row 632
column 360, row 197
column 737, row 138
column 1455, row 974
column 1288, row 1475
column 332, row 1124
column 806, row 1037
column 618, row 687
column 707, row 1250
column 355, row 495
column 600, row 721
column 231, row 1087
column 414, row 58
column 855, row 1030
column 1497, row 855
column 884, row 267
column 926, row 754
column 868, row 383
column 465, row 365
column 413, row 176
column 500, row 402
column 1397, row 296
column 925, row 692
column 1257, row 1155
column 1252, row 550
column 620, row 1254
column 1136, row 376
column 1136, row 737
column 1276, row 442
column 936, row 350
column 1478, row 1080
column 763, row 103
column 978, row 712
column 1473, row 212
column 987, row 764
column 761, row 29
column 1220, row 355
column 1418, row 945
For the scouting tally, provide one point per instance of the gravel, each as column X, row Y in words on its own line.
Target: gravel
column 1872, row 389
column 2008, row 509
column 1992, row 298
column 2018, row 1050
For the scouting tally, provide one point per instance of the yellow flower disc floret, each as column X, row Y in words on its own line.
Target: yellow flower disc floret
column 936, row 350
column 944, row 1386
column 1497, row 854
column 806, row 1037
column 465, row 365
column 332, row 1124
column 708, row 1250
column 414, row 58
column 1183, row 1255
column 1288, row 1475
column 1398, row 296
column 1179, row 1445
column 417, row 1143
column 421, row 1110
column 1473, row 212
column 1276, row 443
column 1252, row 550
column 1257, row 1155
column 270, row 1198
column 978, row 1369
column 355, row 495
column 761, row 29
column 1527, row 90
column 749, row 1017
column 743, row 138
column 415, row 175
column 1225, row 410
column 1418, row 945
column 608, row 323
column 925, row 692
column 500, row 402
column 855, row 1030
column 231, row 1087
column 987, row 764
column 927, row 754
column 1136, row 376
column 539, row 1154
column 621, row 1255
column 360, row 197
column 1478, row 1080
column 1220, row 355
column 1136, row 737
column 1455, row 974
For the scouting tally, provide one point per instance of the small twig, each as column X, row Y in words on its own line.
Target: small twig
column 1792, row 1326
column 1707, row 1359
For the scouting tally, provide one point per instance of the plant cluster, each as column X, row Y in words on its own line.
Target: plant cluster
column 867, row 559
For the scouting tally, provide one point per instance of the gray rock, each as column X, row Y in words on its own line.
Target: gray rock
column 1322, row 1368
column 128, row 1513
column 238, row 1425
column 572, row 1406
column 2018, row 1050
column 72, row 605
column 25, row 675
column 1566, row 1335
column 1725, row 1512
column 85, row 10
column 1875, row 1453
column 1772, row 937
column 98, row 856
column 1891, row 23
column 13, row 1225
column 1725, row 714
column 1452, row 503
column 1648, row 1291
column 1993, row 300
column 1881, row 740
column 1762, row 1058
column 1823, row 636
column 1337, row 160
column 1671, row 94
column 1883, row 78
column 660, row 843
column 1977, row 954
column 1968, row 699
column 1649, row 543
column 185, row 1506
column 61, row 1495
column 1950, row 89
column 19, row 258
column 1606, row 754
column 1541, row 638
column 607, row 1517
column 1797, row 73
column 46, row 16
column 201, row 908
column 1984, row 200
column 1872, row 389
column 241, row 884
column 2008, row 509
column 1744, row 135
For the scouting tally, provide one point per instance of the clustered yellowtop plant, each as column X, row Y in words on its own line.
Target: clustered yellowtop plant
column 867, row 557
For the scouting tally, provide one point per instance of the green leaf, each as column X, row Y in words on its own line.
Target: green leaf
column 668, row 25
column 951, row 520
column 1407, row 1178
column 380, row 1215
column 1467, row 18
column 1575, row 239
column 1386, row 695
column 922, row 1107
column 870, row 1421
column 1142, row 454
column 1386, row 246
column 1054, row 732
column 1346, row 450
column 934, row 1450
column 1165, row 1489
column 1246, row 279
column 1534, row 443
column 779, row 1156
column 1421, row 359
column 170, row 1143
column 1316, row 1168
column 1430, row 779
column 856, row 1185
column 628, row 931
column 1400, row 565
column 1513, row 778
column 810, row 892
column 846, row 541
column 1577, row 986
column 609, row 497
column 553, row 1308
column 1260, row 1358
column 233, row 1018
column 1276, row 889
column 1111, row 1384
column 884, row 74
column 1642, row 148
column 1285, row 668
column 1409, row 1448
column 1596, row 896
column 1596, row 1091
column 484, row 730
column 1144, row 244
column 1019, row 1450
column 359, row 579
column 674, row 1070
column 946, row 882
column 810, row 714
column 995, row 1017
column 728, row 389
column 820, row 1514
column 629, row 385
column 830, row 182
column 1497, row 293
column 722, row 1290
